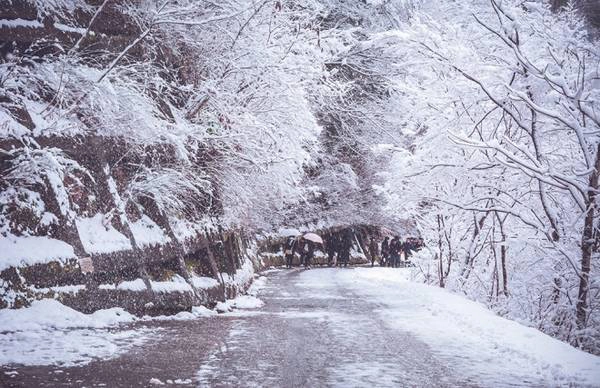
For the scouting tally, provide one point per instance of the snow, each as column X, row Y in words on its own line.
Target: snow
column 257, row 285
column 156, row 381
column 177, row 284
column 242, row 277
column 489, row 349
column 184, row 229
column 65, row 28
column 197, row 312
column 14, row 23
column 69, row 347
column 49, row 313
column 70, row 289
column 18, row 251
column 147, row 233
column 244, row 302
column 247, row 302
column 204, row 282
column 99, row 236
column 224, row 307
column 49, row 333
column 132, row 285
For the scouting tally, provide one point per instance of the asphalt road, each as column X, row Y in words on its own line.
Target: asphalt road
column 303, row 337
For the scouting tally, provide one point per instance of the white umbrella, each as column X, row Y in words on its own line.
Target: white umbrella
column 313, row 237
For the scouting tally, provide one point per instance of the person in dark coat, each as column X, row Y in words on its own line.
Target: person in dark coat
column 332, row 248
column 395, row 249
column 373, row 250
column 302, row 251
column 309, row 253
column 409, row 246
column 385, row 251
column 346, row 245
column 290, row 246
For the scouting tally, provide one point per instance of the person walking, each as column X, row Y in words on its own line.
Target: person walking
column 385, row 251
column 395, row 249
column 409, row 246
column 309, row 254
column 290, row 246
column 301, row 249
column 373, row 250
column 345, row 248
column 332, row 248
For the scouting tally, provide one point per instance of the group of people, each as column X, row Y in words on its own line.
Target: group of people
column 305, row 248
column 338, row 246
column 391, row 251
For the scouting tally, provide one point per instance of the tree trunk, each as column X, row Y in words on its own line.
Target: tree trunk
column 441, row 263
column 478, row 225
column 587, row 245
column 503, row 250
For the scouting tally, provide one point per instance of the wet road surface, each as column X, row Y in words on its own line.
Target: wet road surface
column 308, row 334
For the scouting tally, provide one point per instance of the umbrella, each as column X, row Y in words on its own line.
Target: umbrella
column 313, row 237
column 388, row 232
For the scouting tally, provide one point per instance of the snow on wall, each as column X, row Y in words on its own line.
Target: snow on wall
column 184, row 229
column 131, row 285
column 70, row 289
column 66, row 28
column 204, row 282
column 98, row 236
column 147, row 232
column 176, row 284
column 14, row 23
column 18, row 251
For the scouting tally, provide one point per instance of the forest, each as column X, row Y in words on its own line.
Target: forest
column 138, row 128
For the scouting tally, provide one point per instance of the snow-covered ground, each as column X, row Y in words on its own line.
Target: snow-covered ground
column 470, row 340
column 49, row 333
column 482, row 346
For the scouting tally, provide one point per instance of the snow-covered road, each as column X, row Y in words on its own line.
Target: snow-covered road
column 316, row 331
column 463, row 335
column 334, row 328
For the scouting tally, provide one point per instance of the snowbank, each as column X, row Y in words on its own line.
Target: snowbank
column 244, row 302
column 247, row 302
column 49, row 333
column 18, row 251
column 485, row 347
column 49, row 313
column 197, row 312
column 242, row 276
